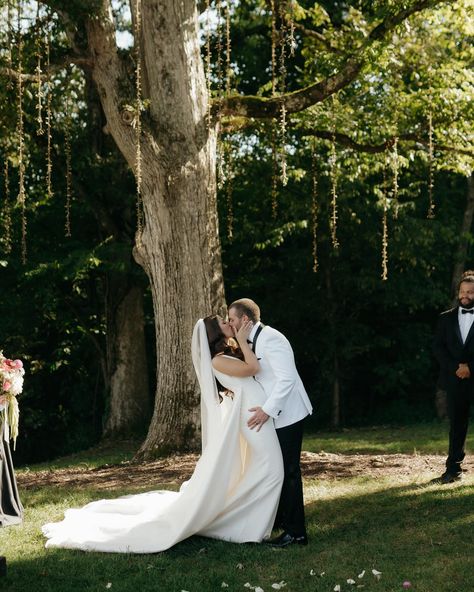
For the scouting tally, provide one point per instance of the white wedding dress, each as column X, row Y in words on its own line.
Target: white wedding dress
column 232, row 495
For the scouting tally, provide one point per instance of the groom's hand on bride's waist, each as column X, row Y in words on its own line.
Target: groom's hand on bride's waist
column 258, row 418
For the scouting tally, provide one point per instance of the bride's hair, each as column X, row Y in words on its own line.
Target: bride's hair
column 218, row 341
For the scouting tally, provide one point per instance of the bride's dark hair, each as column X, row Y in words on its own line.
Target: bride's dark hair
column 218, row 341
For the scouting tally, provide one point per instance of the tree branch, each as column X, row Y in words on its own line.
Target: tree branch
column 258, row 107
column 347, row 141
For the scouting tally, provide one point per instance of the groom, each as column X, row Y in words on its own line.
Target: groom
column 287, row 404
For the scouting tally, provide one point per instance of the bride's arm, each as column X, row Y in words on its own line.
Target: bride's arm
column 249, row 366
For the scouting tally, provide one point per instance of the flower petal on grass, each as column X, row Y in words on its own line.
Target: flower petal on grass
column 224, row 585
column 362, row 574
column 239, row 566
column 377, row 574
column 337, row 588
column 406, row 584
column 108, row 585
column 350, row 581
column 258, row 589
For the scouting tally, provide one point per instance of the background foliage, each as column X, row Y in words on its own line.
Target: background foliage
column 372, row 337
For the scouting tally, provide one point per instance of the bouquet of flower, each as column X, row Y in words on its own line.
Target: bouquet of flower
column 11, row 385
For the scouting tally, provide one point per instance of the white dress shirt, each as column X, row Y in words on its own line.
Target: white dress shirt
column 465, row 322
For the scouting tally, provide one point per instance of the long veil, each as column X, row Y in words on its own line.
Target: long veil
column 211, row 417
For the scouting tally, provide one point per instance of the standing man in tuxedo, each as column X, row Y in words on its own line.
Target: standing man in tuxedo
column 454, row 349
column 287, row 404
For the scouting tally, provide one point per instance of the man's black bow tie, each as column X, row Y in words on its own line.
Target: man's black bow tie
column 467, row 310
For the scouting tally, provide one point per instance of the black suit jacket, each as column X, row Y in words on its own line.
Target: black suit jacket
column 450, row 351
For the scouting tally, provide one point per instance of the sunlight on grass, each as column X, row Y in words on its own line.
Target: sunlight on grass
column 430, row 438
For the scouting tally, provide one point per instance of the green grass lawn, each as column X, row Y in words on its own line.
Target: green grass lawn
column 403, row 527
column 426, row 438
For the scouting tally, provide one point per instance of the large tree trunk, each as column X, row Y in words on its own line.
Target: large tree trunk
column 129, row 402
column 179, row 247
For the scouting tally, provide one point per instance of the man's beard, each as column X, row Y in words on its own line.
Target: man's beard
column 470, row 305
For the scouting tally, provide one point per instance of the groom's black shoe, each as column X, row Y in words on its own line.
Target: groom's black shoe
column 448, row 477
column 285, row 539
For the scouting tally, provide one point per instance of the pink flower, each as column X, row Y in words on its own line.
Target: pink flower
column 17, row 364
column 7, row 385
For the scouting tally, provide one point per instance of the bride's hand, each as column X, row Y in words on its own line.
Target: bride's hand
column 244, row 332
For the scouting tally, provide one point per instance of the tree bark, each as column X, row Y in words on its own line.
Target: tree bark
column 179, row 247
column 129, row 404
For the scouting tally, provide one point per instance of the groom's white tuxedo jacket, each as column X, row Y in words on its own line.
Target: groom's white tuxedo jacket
column 287, row 401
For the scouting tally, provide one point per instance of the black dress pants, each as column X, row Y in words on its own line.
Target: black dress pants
column 460, row 396
column 290, row 514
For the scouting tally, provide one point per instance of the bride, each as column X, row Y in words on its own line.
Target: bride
column 234, row 491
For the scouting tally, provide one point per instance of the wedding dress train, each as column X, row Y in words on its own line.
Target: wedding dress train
column 232, row 495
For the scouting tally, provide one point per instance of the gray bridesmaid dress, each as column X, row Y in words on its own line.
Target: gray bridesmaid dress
column 11, row 510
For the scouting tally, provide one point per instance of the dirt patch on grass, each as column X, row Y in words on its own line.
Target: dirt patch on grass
column 177, row 468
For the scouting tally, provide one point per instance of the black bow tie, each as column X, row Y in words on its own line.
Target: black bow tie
column 467, row 310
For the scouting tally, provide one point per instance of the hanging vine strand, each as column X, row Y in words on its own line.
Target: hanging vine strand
column 49, row 94
column 219, row 49
column 229, row 190
column 21, row 140
column 208, row 61
column 274, row 187
column 291, row 29
column 282, row 89
column 228, row 49
column 39, row 82
column 431, row 206
column 9, row 45
column 138, row 119
column 314, row 206
column 395, row 171
column 384, row 221
column 333, row 178
column 7, row 217
column 67, row 147
column 274, row 48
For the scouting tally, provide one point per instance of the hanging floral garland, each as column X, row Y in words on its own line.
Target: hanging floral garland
column 39, row 81
column 21, row 140
column 138, row 120
column 67, row 148
column 431, row 206
column 333, row 177
column 49, row 94
column 314, row 206
column 6, row 214
column 384, row 220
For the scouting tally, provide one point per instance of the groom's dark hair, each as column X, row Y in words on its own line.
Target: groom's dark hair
column 467, row 277
column 245, row 306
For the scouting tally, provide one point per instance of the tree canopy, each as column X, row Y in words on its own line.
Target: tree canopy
column 342, row 138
